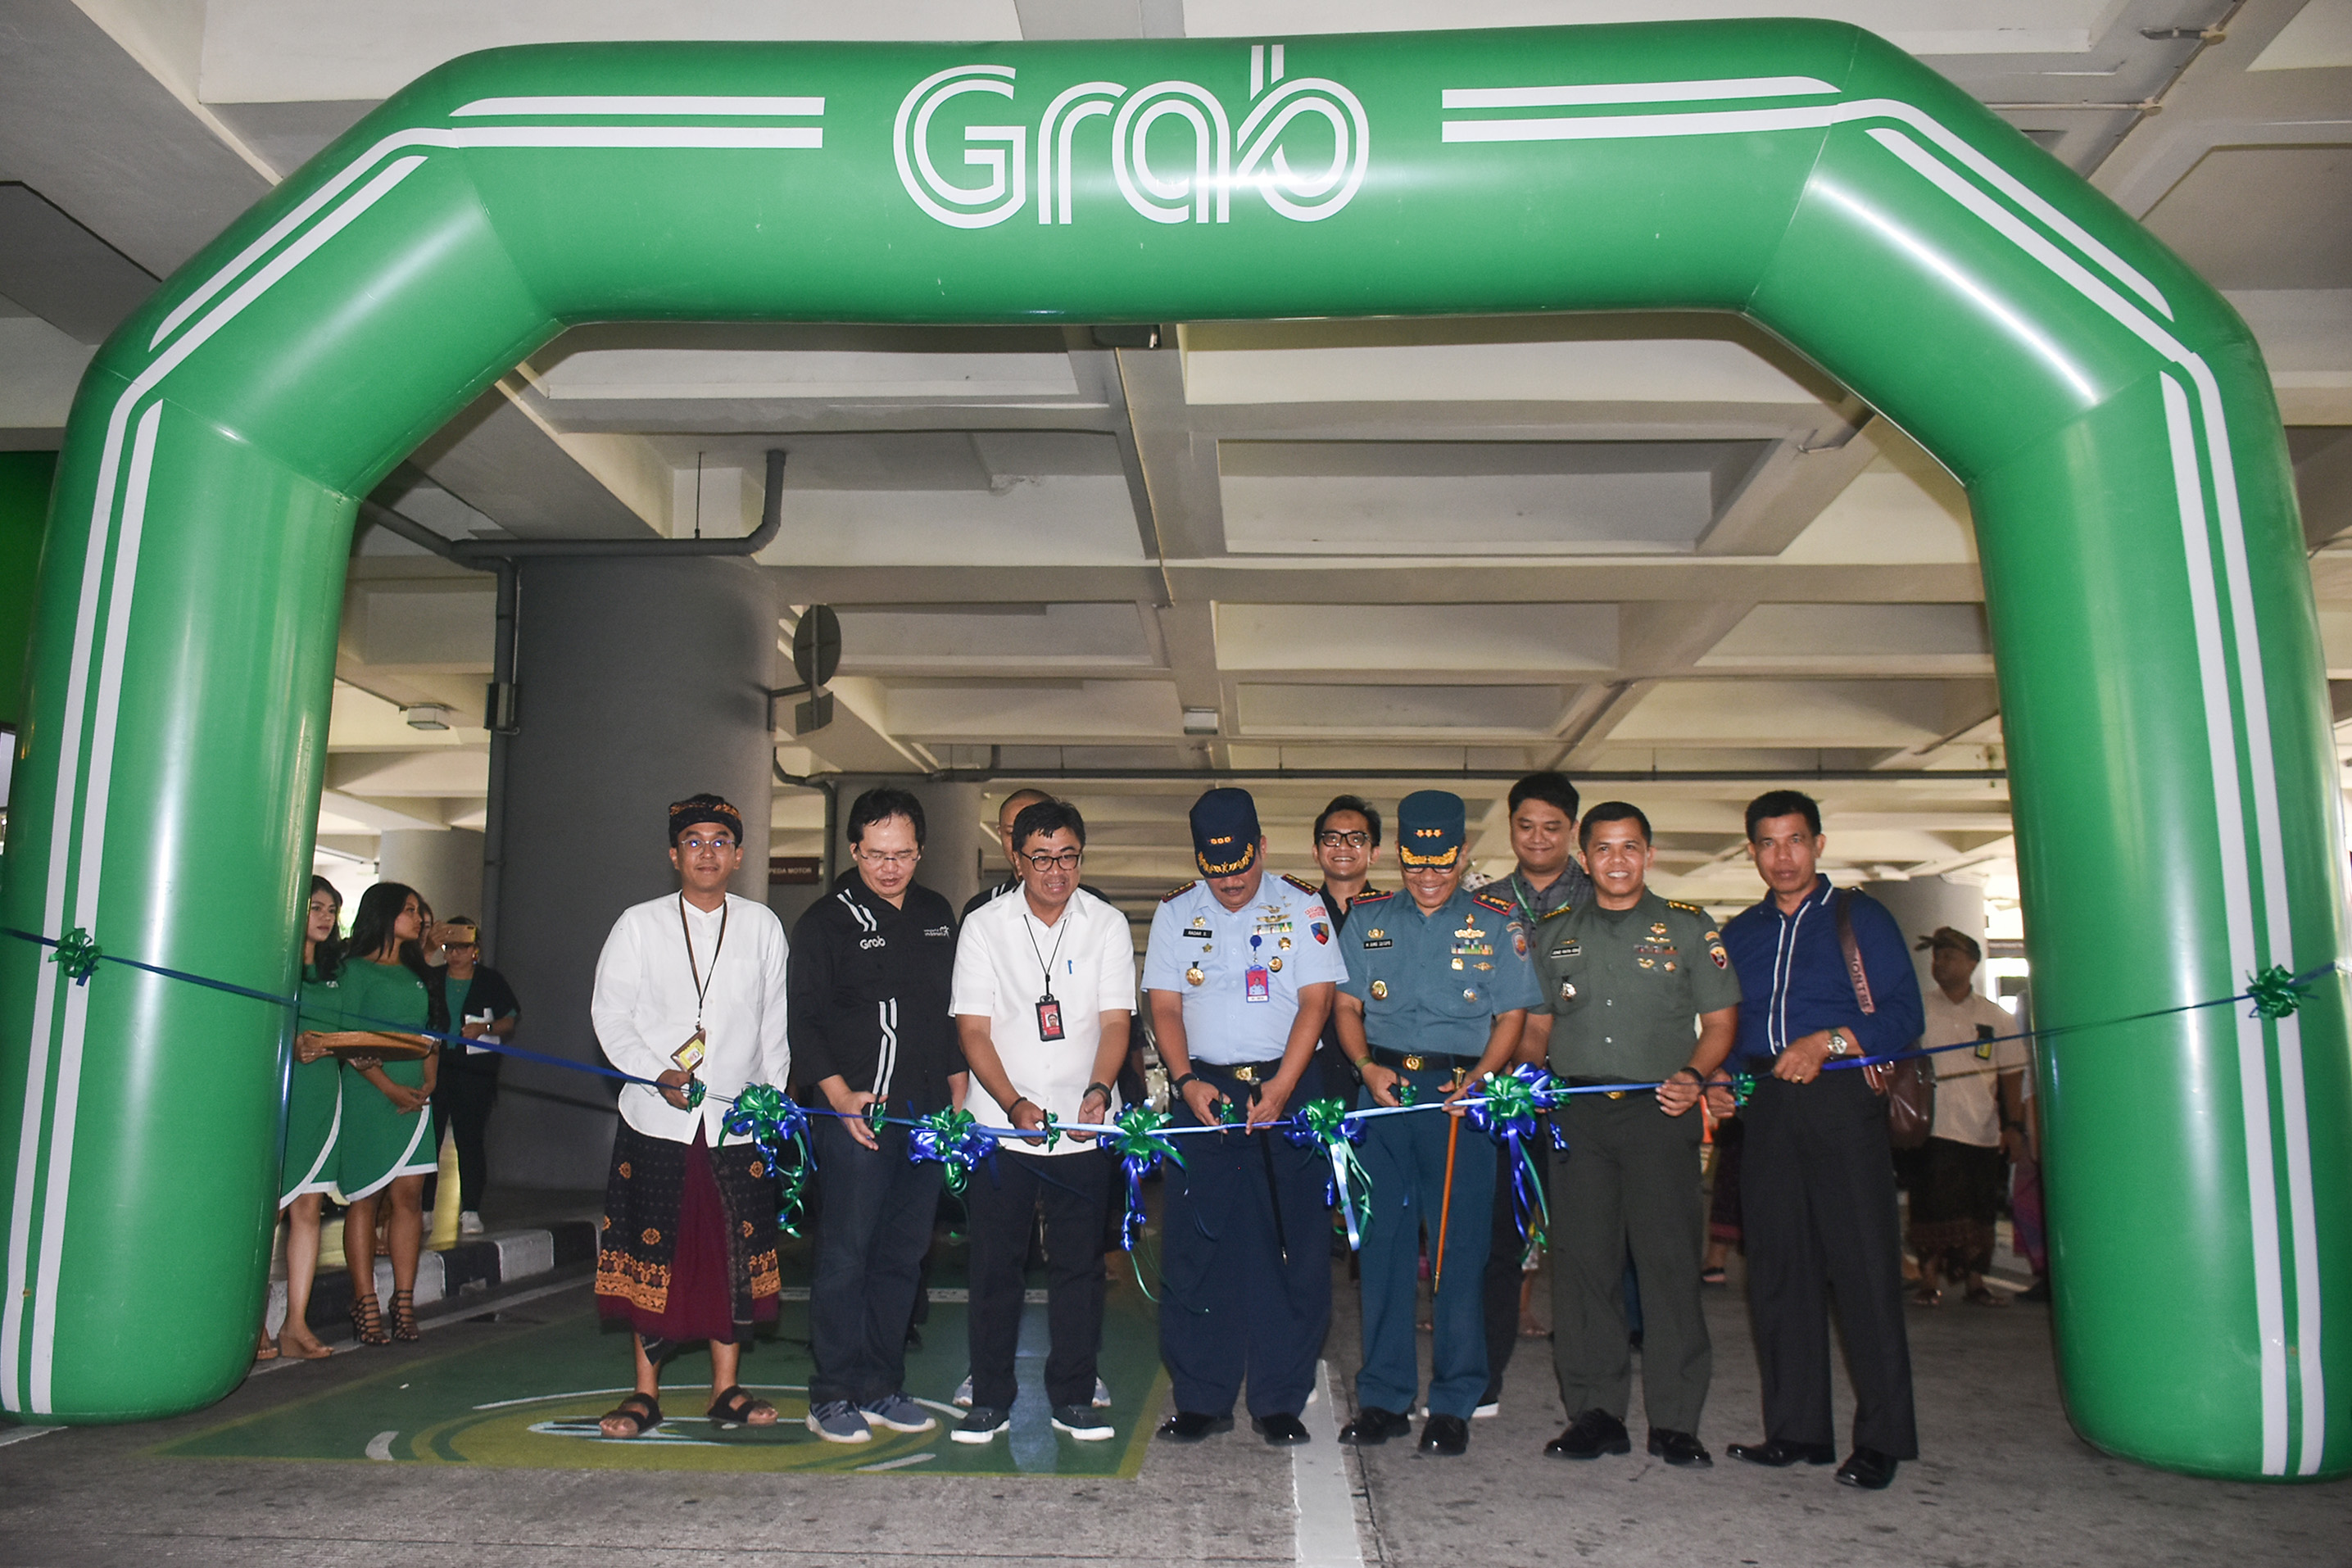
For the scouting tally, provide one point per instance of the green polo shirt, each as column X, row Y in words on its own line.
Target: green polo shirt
column 1625, row 987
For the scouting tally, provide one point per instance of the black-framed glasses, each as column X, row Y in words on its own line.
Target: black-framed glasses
column 1333, row 839
column 1067, row 860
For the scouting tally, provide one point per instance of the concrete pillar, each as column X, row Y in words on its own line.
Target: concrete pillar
column 1922, row 904
column 639, row 682
column 443, row 864
column 956, row 837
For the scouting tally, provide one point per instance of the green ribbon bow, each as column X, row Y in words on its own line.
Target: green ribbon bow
column 764, row 1115
column 953, row 1138
column 77, row 955
column 2277, row 994
column 1325, row 1124
column 1139, row 1145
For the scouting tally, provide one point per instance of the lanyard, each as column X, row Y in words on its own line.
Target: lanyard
column 1061, row 929
column 701, row 986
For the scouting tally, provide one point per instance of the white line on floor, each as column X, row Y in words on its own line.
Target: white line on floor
column 26, row 1434
column 379, row 1447
column 898, row 1464
column 1318, row 1480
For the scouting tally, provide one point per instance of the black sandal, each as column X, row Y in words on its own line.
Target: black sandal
column 367, row 1326
column 733, row 1407
column 641, row 1411
column 404, row 1317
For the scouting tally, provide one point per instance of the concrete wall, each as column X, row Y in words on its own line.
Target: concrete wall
column 444, row 865
column 1922, row 904
column 639, row 682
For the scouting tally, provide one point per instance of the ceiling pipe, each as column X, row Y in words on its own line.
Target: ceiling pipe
column 1440, row 775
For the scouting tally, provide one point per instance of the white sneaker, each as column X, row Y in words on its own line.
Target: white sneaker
column 1488, row 1411
column 962, row 1400
column 469, row 1223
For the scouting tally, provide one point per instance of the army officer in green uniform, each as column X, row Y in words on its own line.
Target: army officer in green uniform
column 1639, row 990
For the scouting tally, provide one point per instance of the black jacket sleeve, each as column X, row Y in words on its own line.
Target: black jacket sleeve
column 808, row 997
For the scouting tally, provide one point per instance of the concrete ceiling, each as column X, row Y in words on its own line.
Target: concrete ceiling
column 1620, row 545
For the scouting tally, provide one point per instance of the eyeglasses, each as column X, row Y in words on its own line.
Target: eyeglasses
column 1333, row 839
column 1067, row 860
column 893, row 859
column 696, row 841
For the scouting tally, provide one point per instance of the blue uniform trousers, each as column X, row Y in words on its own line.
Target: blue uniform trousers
column 1405, row 1157
column 1231, row 1305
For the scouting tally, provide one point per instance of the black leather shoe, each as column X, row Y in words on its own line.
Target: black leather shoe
column 1191, row 1426
column 1680, row 1448
column 1281, row 1431
column 1867, row 1469
column 1374, row 1425
column 1593, row 1434
column 1447, row 1434
column 1780, row 1455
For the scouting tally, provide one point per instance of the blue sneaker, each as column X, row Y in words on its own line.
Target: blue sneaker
column 899, row 1413
column 839, row 1421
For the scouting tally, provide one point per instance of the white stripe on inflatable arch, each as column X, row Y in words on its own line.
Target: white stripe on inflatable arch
column 64, row 848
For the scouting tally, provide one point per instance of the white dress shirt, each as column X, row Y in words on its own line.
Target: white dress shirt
column 1966, row 1111
column 645, row 1008
column 1001, row 958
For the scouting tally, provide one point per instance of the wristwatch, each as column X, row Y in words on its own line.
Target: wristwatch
column 1839, row 1045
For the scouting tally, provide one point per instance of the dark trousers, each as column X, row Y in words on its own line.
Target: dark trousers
column 1244, row 1294
column 462, row 1094
column 1405, row 1157
column 1817, row 1188
column 1004, row 1196
column 1628, row 1181
column 1507, row 1251
column 871, row 1238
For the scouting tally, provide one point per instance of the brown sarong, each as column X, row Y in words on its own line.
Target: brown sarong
column 1954, row 1201
column 688, row 1246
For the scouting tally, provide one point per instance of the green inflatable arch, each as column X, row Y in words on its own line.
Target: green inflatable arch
column 2159, row 655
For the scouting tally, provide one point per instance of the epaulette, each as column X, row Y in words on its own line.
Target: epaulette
column 1174, row 893
column 1499, row 905
column 1371, row 896
column 1686, row 909
column 1302, row 887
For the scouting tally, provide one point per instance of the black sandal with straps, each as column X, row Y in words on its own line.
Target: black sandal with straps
column 367, row 1324
column 641, row 1411
column 734, row 1407
column 404, row 1317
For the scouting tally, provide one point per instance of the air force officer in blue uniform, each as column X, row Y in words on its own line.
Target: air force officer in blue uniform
column 1240, row 974
column 1438, row 988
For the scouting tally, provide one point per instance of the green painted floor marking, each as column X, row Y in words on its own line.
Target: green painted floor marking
column 527, row 1395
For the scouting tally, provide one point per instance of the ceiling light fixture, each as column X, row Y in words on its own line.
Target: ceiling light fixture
column 427, row 716
column 1200, row 721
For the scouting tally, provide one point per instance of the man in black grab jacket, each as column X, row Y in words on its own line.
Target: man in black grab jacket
column 869, row 983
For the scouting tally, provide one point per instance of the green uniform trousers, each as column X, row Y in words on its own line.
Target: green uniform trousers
column 1631, row 1178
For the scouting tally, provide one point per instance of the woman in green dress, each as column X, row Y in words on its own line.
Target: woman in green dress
column 386, row 1144
column 314, row 1114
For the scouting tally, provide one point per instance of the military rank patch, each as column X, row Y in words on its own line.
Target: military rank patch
column 1722, row 958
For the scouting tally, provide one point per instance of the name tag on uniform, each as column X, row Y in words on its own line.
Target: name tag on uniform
column 1373, row 941
column 1258, row 984
column 1201, row 931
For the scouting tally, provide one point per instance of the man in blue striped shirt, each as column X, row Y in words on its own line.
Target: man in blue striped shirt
column 1825, row 977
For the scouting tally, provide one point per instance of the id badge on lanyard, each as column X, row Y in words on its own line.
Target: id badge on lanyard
column 1049, row 1018
column 1258, row 984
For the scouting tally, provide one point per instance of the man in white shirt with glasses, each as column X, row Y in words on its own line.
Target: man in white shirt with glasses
column 1045, row 989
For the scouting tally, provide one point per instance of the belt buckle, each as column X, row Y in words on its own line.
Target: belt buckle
column 1415, row 1063
column 1246, row 1073
column 1615, row 1093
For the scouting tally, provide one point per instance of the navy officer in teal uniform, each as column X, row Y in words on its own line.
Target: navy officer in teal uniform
column 1239, row 975
column 1438, row 987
